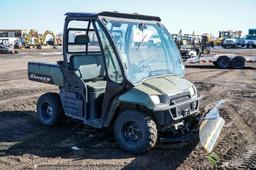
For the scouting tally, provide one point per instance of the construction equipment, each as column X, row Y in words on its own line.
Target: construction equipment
column 19, row 43
column 227, row 34
column 52, row 42
column 32, row 39
column 191, row 45
column 210, row 39
column 125, row 71
column 59, row 39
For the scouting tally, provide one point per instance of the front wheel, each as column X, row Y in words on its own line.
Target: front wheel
column 135, row 131
column 49, row 109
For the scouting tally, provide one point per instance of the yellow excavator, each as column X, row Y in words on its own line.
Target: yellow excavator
column 44, row 36
column 32, row 39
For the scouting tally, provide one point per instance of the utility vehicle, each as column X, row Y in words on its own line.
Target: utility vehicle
column 122, row 71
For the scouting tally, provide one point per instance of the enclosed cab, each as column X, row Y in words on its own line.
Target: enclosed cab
column 122, row 71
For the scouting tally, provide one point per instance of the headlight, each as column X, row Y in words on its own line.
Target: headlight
column 192, row 91
column 155, row 99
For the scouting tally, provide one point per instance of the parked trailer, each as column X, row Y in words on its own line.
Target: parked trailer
column 223, row 61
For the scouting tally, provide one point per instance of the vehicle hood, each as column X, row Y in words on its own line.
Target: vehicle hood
column 169, row 85
column 160, row 86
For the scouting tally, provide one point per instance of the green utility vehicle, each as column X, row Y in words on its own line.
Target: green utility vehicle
column 121, row 71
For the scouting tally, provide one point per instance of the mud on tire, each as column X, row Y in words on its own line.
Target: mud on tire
column 135, row 131
column 49, row 109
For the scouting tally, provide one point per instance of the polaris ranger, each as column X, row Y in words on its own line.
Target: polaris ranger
column 122, row 71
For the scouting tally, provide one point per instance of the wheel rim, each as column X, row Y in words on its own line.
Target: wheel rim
column 132, row 132
column 238, row 64
column 224, row 63
column 47, row 111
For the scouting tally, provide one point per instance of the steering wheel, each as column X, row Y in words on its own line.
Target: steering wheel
column 144, row 67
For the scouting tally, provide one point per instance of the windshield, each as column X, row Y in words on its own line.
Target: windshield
column 147, row 49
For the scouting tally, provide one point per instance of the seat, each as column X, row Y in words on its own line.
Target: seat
column 90, row 68
column 96, row 86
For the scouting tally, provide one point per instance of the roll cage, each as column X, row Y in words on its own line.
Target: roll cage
column 95, row 17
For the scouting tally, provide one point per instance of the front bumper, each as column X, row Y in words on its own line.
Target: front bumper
column 207, row 131
column 193, row 103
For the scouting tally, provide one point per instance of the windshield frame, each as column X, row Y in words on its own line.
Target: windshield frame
column 103, row 20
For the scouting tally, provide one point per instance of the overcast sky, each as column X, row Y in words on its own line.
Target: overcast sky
column 203, row 16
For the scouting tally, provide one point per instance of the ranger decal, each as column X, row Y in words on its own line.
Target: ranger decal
column 40, row 78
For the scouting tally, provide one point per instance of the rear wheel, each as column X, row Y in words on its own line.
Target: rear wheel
column 49, row 109
column 223, row 62
column 135, row 131
column 238, row 62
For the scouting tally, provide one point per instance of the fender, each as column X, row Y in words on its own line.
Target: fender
column 132, row 97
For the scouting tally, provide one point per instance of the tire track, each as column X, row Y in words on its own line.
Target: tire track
column 247, row 162
column 16, row 92
column 20, row 103
column 205, row 71
column 250, row 160
column 15, row 163
column 222, row 73
column 77, row 166
column 245, row 130
column 13, row 75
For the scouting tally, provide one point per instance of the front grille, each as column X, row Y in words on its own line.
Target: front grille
column 182, row 110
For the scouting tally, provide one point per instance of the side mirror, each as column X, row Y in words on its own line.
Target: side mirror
column 82, row 39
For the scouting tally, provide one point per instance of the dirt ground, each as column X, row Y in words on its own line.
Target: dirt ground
column 25, row 144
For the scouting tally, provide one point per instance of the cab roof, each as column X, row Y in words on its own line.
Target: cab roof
column 113, row 14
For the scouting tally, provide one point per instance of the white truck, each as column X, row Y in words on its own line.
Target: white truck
column 250, row 42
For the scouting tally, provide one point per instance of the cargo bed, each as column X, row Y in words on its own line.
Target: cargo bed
column 45, row 73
